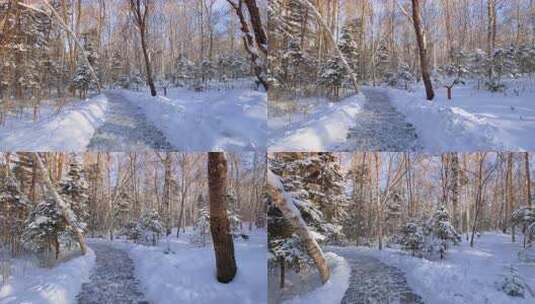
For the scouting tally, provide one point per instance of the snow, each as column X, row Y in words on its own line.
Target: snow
column 472, row 120
column 187, row 275
column 69, row 130
column 466, row 275
column 230, row 120
column 58, row 285
column 322, row 129
column 330, row 292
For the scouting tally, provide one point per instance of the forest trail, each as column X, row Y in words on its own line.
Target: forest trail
column 112, row 280
column 126, row 129
column 373, row 282
column 380, row 127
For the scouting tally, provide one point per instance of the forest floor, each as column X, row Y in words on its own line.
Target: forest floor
column 467, row 275
column 312, row 124
column 373, row 281
column 29, row 283
column 474, row 119
column 230, row 118
column 69, row 129
column 177, row 270
column 389, row 119
column 112, row 280
column 126, row 128
column 380, row 127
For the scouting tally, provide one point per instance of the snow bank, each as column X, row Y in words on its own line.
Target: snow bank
column 69, row 130
column 323, row 130
column 333, row 290
column 472, row 120
column 58, row 285
column 233, row 119
column 467, row 275
column 188, row 275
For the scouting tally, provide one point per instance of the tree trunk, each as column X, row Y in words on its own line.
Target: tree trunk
column 422, row 47
column 140, row 10
column 65, row 210
column 219, row 222
column 291, row 213
column 528, row 178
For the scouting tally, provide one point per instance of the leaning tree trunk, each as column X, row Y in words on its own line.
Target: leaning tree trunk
column 422, row 47
column 331, row 38
column 219, row 222
column 66, row 212
column 291, row 213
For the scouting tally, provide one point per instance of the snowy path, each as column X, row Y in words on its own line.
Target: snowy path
column 380, row 127
column 126, row 129
column 113, row 279
column 373, row 282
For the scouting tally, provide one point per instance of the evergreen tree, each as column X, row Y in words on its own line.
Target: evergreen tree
column 412, row 238
column 332, row 76
column 44, row 227
column 74, row 190
column 441, row 232
column 151, row 227
column 349, row 47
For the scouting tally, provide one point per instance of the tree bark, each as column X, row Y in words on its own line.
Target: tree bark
column 290, row 212
column 66, row 212
column 140, row 10
column 219, row 222
column 528, row 178
column 422, row 47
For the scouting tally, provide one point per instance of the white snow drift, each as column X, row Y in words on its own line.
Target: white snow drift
column 69, row 130
column 58, row 285
column 323, row 129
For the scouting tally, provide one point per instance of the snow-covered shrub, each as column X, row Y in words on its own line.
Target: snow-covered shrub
column 332, row 76
column 512, row 284
column 525, row 217
column 43, row 228
column 151, row 227
column 400, row 78
column 73, row 189
column 440, row 233
column 412, row 239
column 201, row 227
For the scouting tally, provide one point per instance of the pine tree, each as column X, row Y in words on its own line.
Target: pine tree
column 184, row 71
column 332, row 76
column 82, row 79
column 441, row 232
column 117, row 70
column 349, row 47
column 74, row 190
column 44, row 227
column 151, row 226
column 413, row 238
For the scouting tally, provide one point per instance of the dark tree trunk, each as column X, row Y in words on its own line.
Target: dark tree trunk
column 140, row 10
column 422, row 47
column 219, row 222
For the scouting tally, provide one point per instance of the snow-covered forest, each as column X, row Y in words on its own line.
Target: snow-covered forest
column 129, row 75
column 400, row 75
column 372, row 227
column 139, row 227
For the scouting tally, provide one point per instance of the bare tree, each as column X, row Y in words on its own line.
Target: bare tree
column 140, row 10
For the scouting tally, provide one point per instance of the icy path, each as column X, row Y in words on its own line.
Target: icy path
column 113, row 279
column 380, row 127
column 126, row 129
column 373, row 282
